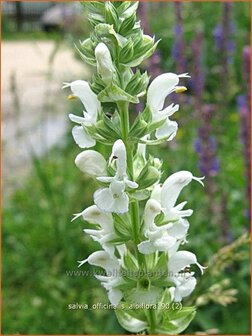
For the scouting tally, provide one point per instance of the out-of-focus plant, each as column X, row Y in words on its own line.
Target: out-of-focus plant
column 215, row 288
column 244, row 106
column 140, row 251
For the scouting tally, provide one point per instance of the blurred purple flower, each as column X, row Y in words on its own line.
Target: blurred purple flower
column 197, row 81
column 178, row 49
column 223, row 34
column 205, row 145
column 244, row 108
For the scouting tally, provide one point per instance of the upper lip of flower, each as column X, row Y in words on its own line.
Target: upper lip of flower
column 82, row 90
column 159, row 89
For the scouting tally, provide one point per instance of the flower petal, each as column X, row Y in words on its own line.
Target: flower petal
column 76, row 119
column 115, row 296
column 179, row 229
column 179, row 260
column 103, row 198
column 81, row 137
column 170, row 110
column 95, row 216
column 173, row 186
column 185, row 288
column 91, row 163
column 119, row 154
column 168, row 129
column 131, row 184
column 146, row 247
column 164, row 243
column 158, row 90
column 104, row 260
column 82, row 90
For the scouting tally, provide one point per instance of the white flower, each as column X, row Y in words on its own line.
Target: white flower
column 158, row 90
column 160, row 238
column 185, row 285
column 106, row 232
column 91, row 163
column 82, row 90
column 112, row 279
column 104, row 61
column 169, row 192
column 114, row 198
column 184, row 282
column 181, row 259
column 166, row 237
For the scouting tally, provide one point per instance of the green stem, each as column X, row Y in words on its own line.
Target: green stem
column 152, row 315
column 134, row 206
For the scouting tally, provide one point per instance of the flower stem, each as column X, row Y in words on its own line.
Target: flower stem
column 152, row 321
column 134, row 206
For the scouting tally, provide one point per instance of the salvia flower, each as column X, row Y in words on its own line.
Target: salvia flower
column 159, row 89
column 114, row 198
column 112, row 279
column 164, row 237
column 82, row 90
column 105, row 65
column 91, row 163
column 181, row 275
column 104, row 220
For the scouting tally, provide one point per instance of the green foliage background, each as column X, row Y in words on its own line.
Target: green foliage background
column 40, row 244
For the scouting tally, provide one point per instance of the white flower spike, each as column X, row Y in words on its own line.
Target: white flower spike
column 82, row 90
column 140, row 250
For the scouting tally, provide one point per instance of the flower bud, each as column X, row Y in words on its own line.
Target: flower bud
column 104, row 61
column 149, row 176
column 91, row 163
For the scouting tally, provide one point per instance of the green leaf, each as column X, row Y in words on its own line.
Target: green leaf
column 175, row 321
column 88, row 48
column 93, row 6
column 122, row 225
column 130, row 262
column 104, row 30
column 127, row 9
column 138, row 83
column 139, row 59
column 127, row 52
column 155, row 125
column 129, row 322
column 127, row 25
column 113, row 93
column 111, row 125
column 139, row 128
column 86, row 59
column 148, row 176
column 110, row 14
column 139, row 195
column 146, row 114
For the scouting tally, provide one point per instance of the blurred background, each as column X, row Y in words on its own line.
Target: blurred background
column 42, row 188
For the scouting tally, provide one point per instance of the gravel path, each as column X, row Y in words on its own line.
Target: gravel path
column 34, row 108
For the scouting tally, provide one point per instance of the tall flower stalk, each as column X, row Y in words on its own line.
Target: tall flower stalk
column 137, row 221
